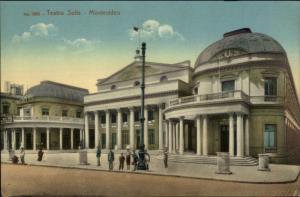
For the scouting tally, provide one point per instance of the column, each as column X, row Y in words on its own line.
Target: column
column 131, row 132
column 5, row 140
column 198, row 124
column 177, row 136
column 231, row 135
column 240, row 136
column 23, row 138
column 205, row 136
column 60, row 138
column 86, row 129
column 146, row 141
column 107, row 125
column 247, row 138
column 160, row 127
column 170, row 135
column 81, row 134
column 72, row 138
column 96, row 129
column 119, row 129
column 181, row 131
column 14, row 139
column 174, row 137
column 166, row 134
column 48, row 138
column 34, row 138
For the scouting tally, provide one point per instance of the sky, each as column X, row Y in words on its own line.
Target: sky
column 38, row 43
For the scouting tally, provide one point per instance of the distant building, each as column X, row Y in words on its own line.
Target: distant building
column 239, row 98
column 50, row 116
column 13, row 89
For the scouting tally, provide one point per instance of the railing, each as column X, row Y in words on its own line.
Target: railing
column 210, row 97
column 231, row 95
column 267, row 99
column 45, row 119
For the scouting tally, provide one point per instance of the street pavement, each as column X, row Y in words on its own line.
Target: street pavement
column 278, row 173
column 27, row 180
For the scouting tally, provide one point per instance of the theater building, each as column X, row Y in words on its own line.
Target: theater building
column 239, row 98
column 50, row 115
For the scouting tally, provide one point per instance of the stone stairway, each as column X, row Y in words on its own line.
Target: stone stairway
column 234, row 161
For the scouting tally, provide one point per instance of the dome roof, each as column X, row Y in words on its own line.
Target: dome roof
column 243, row 40
column 57, row 90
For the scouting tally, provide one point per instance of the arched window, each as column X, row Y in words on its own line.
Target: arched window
column 113, row 87
column 136, row 83
column 163, row 78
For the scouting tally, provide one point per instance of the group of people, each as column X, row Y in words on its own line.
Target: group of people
column 15, row 159
column 130, row 158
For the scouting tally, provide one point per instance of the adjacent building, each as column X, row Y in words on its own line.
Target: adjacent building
column 50, row 116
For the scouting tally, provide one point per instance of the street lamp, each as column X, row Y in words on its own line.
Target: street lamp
column 142, row 162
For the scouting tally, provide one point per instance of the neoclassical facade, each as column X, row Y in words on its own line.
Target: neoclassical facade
column 239, row 98
column 50, row 115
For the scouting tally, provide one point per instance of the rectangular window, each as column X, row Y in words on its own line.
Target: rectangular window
column 124, row 117
column 151, row 135
column 64, row 113
column 228, row 86
column 113, row 140
column 45, row 112
column 103, row 140
column 103, row 119
column 270, row 137
column 113, row 118
column 27, row 111
column 5, row 109
column 270, row 86
column 125, row 138
column 150, row 115
column 78, row 114
column 136, row 116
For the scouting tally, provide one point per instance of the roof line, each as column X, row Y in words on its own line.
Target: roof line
column 61, row 84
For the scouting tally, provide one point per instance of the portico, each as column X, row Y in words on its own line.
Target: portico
column 207, row 134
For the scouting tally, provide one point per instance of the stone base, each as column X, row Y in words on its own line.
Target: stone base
column 224, row 172
column 264, row 169
column 83, row 157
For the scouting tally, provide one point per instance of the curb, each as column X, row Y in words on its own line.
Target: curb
column 158, row 174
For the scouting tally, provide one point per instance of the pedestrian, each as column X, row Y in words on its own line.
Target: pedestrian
column 135, row 160
column 22, row 155
column 121, row 160
column 40, row 154
column 166, row 157
column 98, row 155
column 128, row 158
column 111, row 158
column 147, row 159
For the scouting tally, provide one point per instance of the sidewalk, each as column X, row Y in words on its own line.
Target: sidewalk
column 247, row 174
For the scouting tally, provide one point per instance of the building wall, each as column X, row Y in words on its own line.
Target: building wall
column 258, row 118
column 55, row 109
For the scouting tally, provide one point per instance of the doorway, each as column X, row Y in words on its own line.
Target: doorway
column 224, row 138
column 29, row 141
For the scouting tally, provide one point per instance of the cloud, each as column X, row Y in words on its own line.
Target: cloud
column 79, row 45
column 37, row 30
column 152, row 29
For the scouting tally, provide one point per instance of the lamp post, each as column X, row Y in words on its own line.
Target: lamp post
column 141, row 162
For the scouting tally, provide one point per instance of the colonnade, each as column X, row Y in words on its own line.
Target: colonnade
column 13, row 141
column 130, row 117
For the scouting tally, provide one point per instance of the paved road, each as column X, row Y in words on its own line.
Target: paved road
column 18, row 180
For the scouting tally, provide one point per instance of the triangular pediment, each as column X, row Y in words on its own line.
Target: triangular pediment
column 134, row 70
